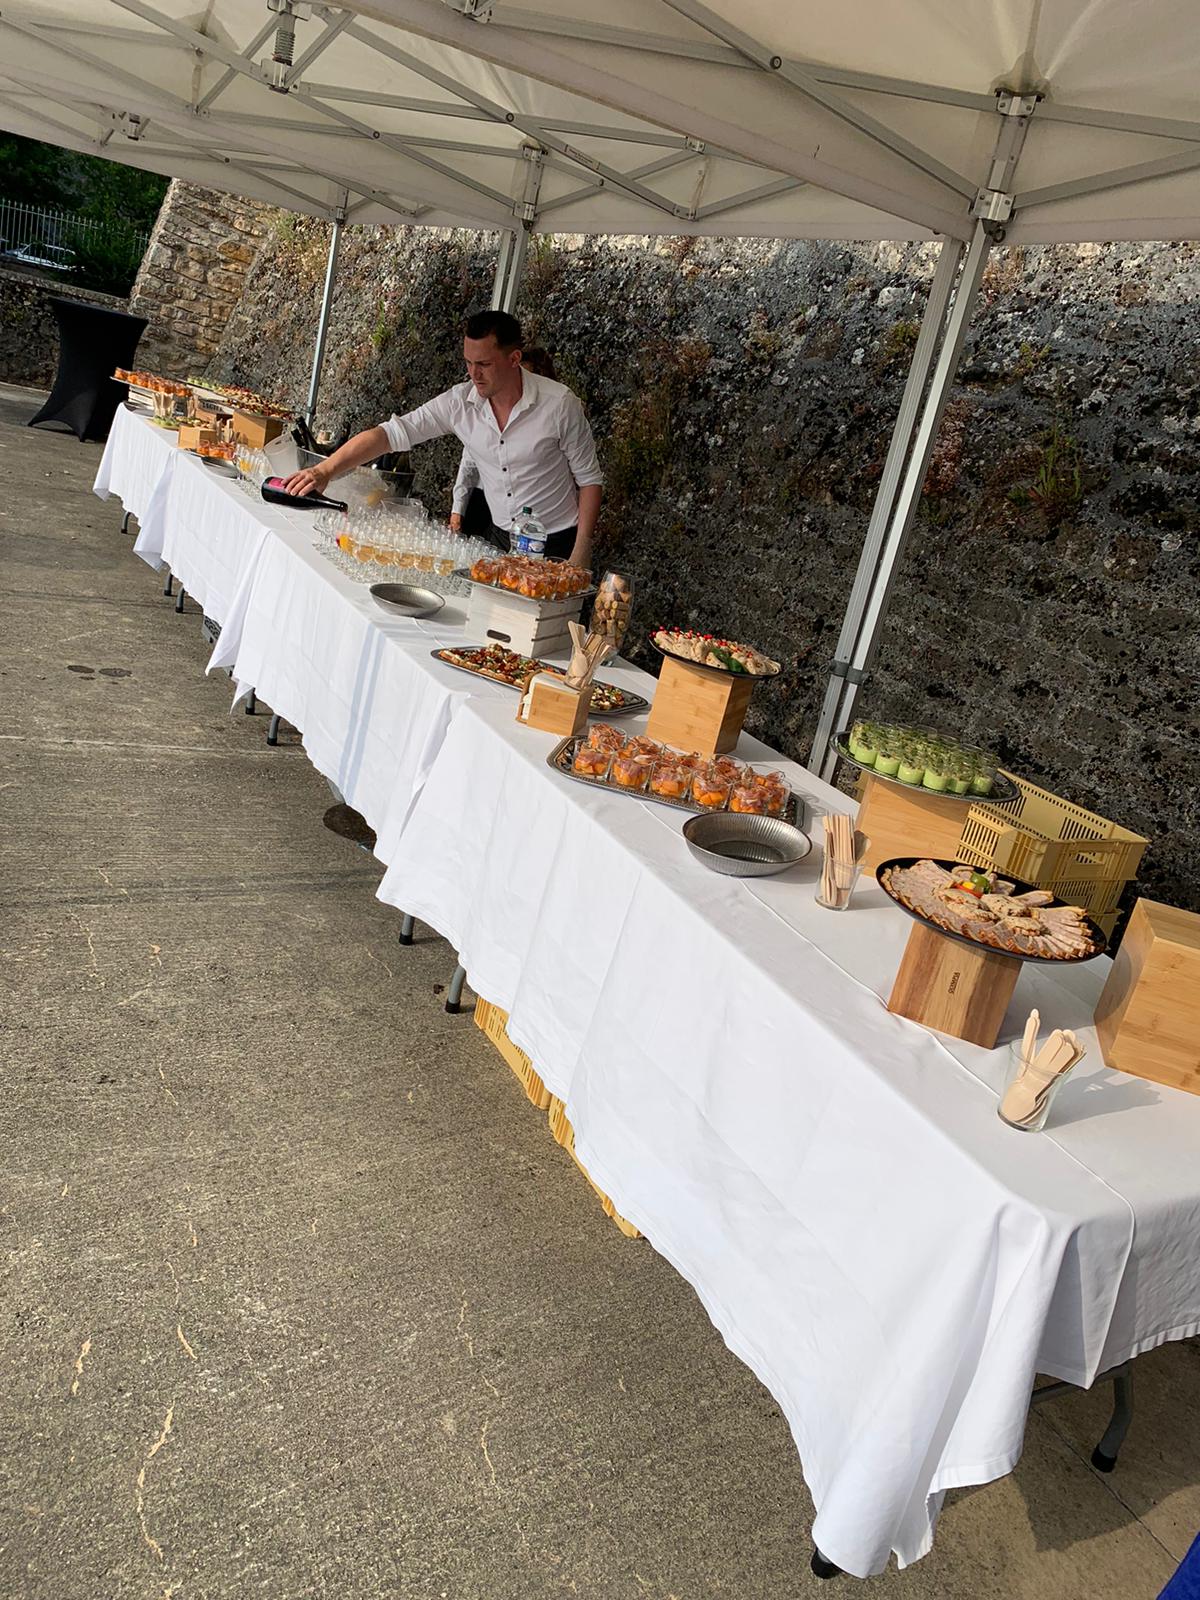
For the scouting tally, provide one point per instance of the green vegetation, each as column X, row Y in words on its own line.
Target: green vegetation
column 1056, row 488
column 37, row 174
column 123, row 199
column 899, row 340
column 1029, row 360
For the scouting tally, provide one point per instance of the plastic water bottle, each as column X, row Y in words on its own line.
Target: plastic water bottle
column 529, row 535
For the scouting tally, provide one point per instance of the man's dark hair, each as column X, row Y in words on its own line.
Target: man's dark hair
column 498, row 324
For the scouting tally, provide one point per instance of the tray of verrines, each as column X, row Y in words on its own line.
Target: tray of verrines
column 528, row 578
column 924, row 758
column 605, row 758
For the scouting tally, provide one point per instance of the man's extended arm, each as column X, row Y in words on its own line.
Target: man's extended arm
column 429, row 421
column 363, row 447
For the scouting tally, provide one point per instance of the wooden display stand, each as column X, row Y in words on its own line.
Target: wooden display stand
column 192, row 434
column 551, row 706
column 698, row 710
column 948, row 985
column 1148, row 1018
column 907, row 822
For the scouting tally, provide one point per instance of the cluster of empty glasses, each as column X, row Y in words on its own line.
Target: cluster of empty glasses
column 252, row 466
column 397, row 542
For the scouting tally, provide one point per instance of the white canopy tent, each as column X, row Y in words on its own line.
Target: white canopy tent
column 964, row 120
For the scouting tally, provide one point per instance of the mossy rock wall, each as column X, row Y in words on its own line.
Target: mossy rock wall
column 742, row 394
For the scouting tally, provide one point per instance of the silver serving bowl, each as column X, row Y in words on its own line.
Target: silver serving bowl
column 745, row 846
column 407, row 599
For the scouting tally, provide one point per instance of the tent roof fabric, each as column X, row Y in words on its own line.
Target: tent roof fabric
column 736, row 117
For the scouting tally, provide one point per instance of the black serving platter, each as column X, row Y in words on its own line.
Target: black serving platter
column 716, row 672
column 1019, row 887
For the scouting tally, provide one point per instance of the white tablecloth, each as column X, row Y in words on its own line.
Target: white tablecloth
column 372, row 705
column 135, row 457
column 891, row 1260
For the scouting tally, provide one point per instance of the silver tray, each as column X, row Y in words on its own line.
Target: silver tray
column 561, row 757
column 634, row 703
column 494, row 588
column 223, row 469
column 1004, row 790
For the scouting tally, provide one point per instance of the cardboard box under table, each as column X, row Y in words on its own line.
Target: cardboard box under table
column 1148, row 1018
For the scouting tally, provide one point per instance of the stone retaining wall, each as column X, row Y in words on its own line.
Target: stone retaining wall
column 195, row 270
column 742, row 394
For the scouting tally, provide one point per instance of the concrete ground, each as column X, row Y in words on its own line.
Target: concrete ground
column 301, row 1297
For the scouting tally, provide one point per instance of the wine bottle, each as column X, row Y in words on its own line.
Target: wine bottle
column 274, row 491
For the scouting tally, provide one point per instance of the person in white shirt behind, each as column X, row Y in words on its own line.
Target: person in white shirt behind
column 470, row 513
column 527, row 436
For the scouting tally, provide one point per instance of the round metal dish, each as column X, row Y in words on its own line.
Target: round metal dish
column 1019, row 887
column 407, row 599
column 744, row 846
column 717, row 672
column 1004, row 790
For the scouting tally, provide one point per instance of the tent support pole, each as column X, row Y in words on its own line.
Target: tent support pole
column 335, row 242
column 939, row 347
column 500, row 281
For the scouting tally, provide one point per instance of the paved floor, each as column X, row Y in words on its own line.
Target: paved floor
column 301, row 1299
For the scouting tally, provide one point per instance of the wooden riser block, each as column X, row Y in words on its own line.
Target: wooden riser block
column 1148, row 1018
column 697, row 710
column 945, row 984
column 908, row 822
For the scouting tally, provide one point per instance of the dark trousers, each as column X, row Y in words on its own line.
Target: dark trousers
column 558, row 545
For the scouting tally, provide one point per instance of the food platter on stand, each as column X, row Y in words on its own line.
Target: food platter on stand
column 530, row 600
column 715, row 671
column 882, row 875
column 1003, row 792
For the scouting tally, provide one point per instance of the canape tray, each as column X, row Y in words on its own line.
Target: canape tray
column 1004, row 790
column 716, row 672
column 1019, row 887
column 634, row 703
column 563, row 754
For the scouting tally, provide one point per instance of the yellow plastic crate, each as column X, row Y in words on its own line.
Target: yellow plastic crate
column 564, row 1135
column 494, row 1024
column 1079, row 856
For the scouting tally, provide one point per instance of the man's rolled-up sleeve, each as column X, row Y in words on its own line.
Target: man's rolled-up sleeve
column 578, row 445
column 429, row 421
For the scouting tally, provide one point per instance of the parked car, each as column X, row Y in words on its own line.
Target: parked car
column 55, row 256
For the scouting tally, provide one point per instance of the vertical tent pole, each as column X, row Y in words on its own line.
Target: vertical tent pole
column 500, row 281
column 903, row 512
column 514, row 246
column 924, row 355
column 335, row 241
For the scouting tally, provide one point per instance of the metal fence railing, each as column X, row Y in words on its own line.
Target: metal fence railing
column 39, row 227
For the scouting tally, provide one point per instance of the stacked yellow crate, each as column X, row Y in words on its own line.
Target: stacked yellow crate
column 494, row 1023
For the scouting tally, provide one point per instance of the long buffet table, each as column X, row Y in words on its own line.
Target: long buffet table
column 893, row 1262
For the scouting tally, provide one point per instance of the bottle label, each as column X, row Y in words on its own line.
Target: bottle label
column 529, row 545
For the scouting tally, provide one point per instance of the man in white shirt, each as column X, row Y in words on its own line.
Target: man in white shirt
column 527, row 436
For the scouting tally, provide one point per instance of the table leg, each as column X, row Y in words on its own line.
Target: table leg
column 822, row 1568
column 167, row 586
column 455, row 991
column 407, row 925
column 125, row 522
column 179, row 598
column 273, row 730
column 1104, row 1456
column 251, row 703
